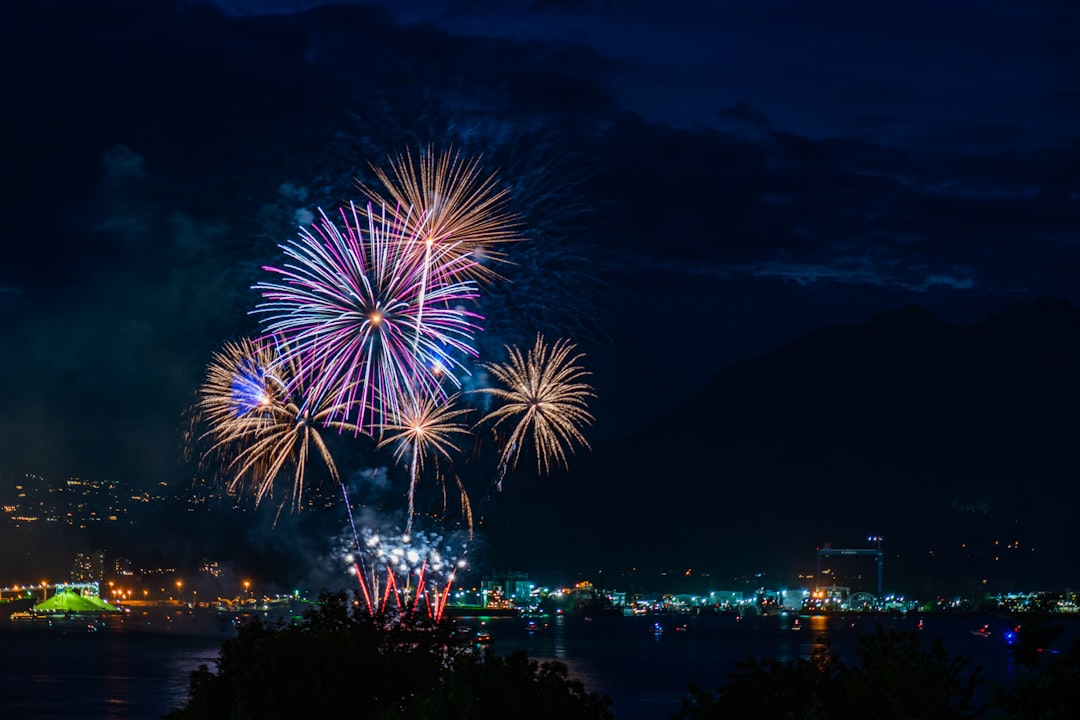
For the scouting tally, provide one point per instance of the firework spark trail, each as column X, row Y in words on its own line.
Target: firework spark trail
column 389, row 587
column 466, row 507
column 425, row 425
column 363, row 585
column 440, row 604
column 437, row 606
column 348, row 511
column 255, row 411
column 420, row 589
column 543, row 396
column 358, row 319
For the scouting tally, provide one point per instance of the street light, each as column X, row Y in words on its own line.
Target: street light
column 247, row 587
column 179, row 584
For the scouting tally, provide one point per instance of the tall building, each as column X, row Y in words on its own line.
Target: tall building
column 89, row 567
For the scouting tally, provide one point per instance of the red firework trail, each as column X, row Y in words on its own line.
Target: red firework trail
column 420, row 587
column 386, row 593
column 441, row 605
column 391, row 584
column 363, row 586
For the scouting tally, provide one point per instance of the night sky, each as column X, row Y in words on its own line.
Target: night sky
column 701, row 182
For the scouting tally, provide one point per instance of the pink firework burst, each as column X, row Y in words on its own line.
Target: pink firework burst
column 365, row 315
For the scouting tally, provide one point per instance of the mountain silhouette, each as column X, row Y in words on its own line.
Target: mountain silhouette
column 956, row 444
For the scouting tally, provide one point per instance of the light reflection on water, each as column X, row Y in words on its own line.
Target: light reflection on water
column 558, row 648
column 104, row 675
column 647, row 673
column 123, row 676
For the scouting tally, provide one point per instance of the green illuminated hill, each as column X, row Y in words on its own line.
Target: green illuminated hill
column 68, row 601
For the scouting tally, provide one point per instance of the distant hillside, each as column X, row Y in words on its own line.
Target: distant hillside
column 943, row 439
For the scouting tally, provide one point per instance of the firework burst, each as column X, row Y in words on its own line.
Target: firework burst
column 425, row 426
column 445, row 202
column 363, row 316
column 239, row 383
column 544, row 395
column 263, row 421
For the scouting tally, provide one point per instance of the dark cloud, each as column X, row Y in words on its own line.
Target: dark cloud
column 842, row 211
column 895, row 73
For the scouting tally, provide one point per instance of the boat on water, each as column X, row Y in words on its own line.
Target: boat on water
column 88, row 622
